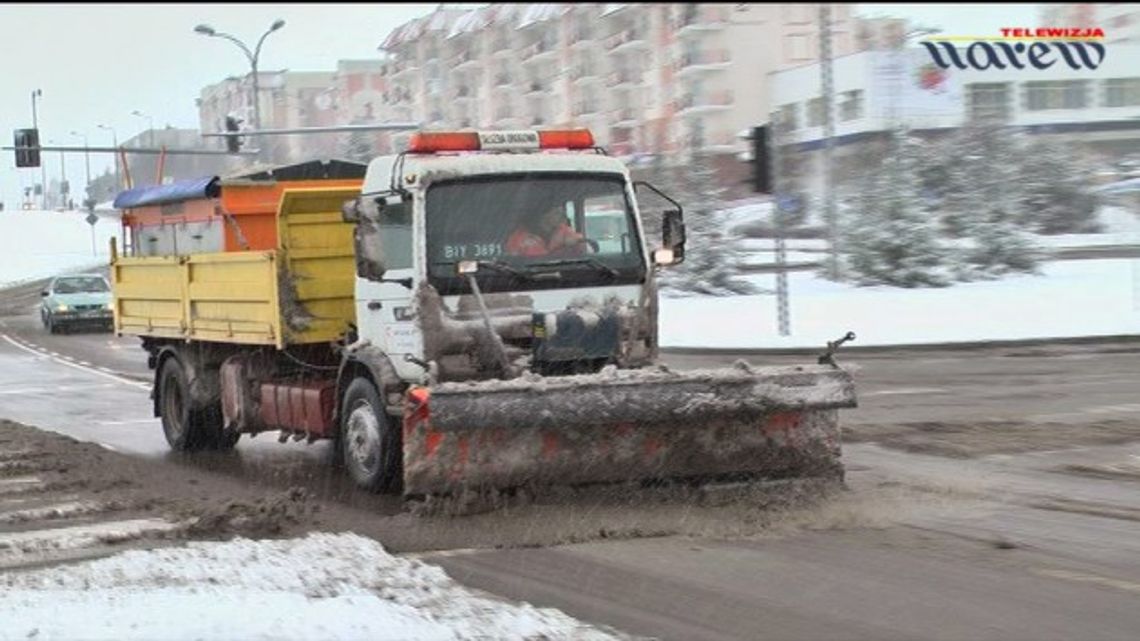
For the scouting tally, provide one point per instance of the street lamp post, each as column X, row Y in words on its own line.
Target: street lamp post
column 115, row 144
column 150, row 122
column 252, row 56
column 38, row 93
column 86, row 160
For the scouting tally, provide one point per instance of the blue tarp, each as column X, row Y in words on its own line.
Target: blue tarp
column 164, row 194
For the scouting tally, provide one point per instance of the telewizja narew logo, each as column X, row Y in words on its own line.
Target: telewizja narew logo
column 1041, row 48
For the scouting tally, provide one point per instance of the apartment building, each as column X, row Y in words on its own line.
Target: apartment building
column 667, row 79
column 1120, row 20
column 289, row 99
column 1097, row 110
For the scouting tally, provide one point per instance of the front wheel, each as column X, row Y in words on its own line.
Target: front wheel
column 370, row 445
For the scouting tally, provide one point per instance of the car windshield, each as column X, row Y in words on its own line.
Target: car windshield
column 581, row 226
column 81, row 285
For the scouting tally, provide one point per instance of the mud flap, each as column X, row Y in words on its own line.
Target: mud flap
column 624, row 426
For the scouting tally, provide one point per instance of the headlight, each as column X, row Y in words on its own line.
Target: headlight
column 61, row 308
column 107, row 306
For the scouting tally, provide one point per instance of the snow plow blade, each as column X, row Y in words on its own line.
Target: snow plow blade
column 629, row 425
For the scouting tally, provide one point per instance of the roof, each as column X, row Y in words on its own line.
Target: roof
column 184, row 190
column 312, row 170
column 430, row 167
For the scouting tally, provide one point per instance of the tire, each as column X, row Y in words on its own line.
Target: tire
column 52, row 328
column 369, row 443
column 186, row 429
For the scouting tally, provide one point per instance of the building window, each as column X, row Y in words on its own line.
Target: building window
column 815, row 112
column 800, row 13
column 1056, row 94
column 988, row 101
column 1122, row 92
column 851, row 105
column 797, row 47
column 786, row 118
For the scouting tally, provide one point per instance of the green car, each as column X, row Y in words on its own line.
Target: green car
column 77, row 300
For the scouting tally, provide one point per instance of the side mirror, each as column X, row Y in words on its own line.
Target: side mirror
column 673, row 235
column 45, row 293
column 366, row 239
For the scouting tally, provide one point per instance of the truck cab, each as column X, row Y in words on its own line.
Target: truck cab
column 436, row 265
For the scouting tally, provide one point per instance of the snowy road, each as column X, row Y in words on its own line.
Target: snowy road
column 993, row 547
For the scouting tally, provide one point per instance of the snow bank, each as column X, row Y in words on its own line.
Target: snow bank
column 1069, row 299
column 37, row 244
column 324, row 586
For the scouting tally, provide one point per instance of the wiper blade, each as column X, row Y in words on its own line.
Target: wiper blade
column 504, row 267
column 499, row 266
column 592, row 262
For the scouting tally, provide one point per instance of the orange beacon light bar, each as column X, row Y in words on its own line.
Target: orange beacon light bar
column 426, row 142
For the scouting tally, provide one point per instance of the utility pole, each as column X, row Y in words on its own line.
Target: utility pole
column 828, row 89
column 114, row 143
column 38, row 93
column 779, row 218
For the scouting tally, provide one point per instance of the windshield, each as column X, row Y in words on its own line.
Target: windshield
column 533, row 231
column 81, row 285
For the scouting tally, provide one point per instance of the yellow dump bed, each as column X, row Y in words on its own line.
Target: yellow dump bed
column 300, row 292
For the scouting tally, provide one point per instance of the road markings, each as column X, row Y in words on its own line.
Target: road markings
column 1119, row 584
column 59, row 510
column 16, row 544
column 443, row 554
column 906, row 390
column 55, row 389
column 134, row 421
column 145, row 386
column 15, row 485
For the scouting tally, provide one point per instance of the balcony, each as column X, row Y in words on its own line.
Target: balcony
column 397, row 96
column 626, row 118
column 582, row 38
column 582, row 74
column 535, row 87
column 540, row 50
column 584, row 109
column 695, row 19
column 628, row 39
column 714, row 101
column 465, row 60
column 713, row 60
column 625, row 79
column 400, row 69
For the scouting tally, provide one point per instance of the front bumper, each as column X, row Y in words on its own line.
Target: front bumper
column 87, row 317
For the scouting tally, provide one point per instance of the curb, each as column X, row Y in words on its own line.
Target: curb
column 915, row 347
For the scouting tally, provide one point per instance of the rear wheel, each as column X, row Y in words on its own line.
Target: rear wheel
column 188, row 429
column 370, row 445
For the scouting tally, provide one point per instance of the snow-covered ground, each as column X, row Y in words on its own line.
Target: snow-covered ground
column 1069, row 299
column 36, row 244
column 324, row 586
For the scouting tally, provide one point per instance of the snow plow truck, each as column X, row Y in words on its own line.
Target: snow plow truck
column 416, row 312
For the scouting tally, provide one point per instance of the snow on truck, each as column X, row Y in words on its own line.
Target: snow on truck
column 477, row 312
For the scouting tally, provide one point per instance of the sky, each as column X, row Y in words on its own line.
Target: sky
column 96, row 63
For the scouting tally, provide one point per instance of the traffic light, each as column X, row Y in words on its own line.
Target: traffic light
column 233, row 143
column 761, row 170
column 27, row 157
